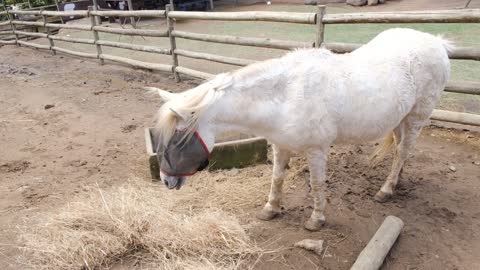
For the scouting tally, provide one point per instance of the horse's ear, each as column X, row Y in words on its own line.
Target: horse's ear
column 165, row 95
column 178, row 115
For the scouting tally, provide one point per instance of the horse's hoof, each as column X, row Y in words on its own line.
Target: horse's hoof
column 314, row 224
column 382, row 197
column 267, row 214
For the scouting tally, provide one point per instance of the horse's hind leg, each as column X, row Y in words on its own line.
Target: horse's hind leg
column 405, row 135
column 281, row 158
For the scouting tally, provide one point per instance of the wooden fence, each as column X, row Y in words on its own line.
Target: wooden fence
column 320, row 19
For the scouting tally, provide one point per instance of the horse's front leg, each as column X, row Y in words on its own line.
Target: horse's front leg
column 317, row 162
column 281, row 158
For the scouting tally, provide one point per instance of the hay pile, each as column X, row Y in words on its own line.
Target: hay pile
column 142, row 224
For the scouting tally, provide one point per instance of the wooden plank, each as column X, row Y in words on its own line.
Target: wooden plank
column 8, row 42
column 34, row 45
column 73, row 40
column 4, row 23
column 6, row 33
column 255, row 42
column 459, row 53
column 135, row 13
column 472, row 88
column 403, row 17
column 287, row 17
column 465, row 53
column 82, row 27
column 32, row 34
column 75, row 53
column 134, row 47
column 372, row 256
column 83, row 13
column 131, row 32
column 215, row 58
column 194, row 73
column 25, row 12
column 28, row 23
column 136, row 63
column 456, row 117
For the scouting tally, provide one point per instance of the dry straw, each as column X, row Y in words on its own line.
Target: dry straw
column 137, row 224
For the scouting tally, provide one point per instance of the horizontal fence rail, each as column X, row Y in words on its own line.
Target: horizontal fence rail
column 459, row 53
column 403, row 17
column 286, row 17
column 215, row 58
column 19, row 33
column 234, row 40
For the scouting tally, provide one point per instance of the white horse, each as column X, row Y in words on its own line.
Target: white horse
column 310, row 99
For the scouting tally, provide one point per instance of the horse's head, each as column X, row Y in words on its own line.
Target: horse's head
column 184, row 135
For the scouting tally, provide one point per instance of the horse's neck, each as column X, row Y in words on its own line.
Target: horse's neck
column 249, row 107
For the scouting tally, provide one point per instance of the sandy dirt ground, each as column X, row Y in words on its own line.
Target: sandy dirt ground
column 67, row 124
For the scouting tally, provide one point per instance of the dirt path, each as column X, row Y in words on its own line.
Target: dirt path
column 93, row 135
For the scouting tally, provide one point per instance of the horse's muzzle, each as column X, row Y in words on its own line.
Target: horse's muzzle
column 172, row 182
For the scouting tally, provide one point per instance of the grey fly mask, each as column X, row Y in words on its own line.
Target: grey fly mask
column 184, row 154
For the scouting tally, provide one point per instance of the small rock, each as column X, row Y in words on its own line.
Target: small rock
column 452, row 168
column 48, row 106
column 310, row 2
column 312, row 245
column 469, row 136
column 372, row 2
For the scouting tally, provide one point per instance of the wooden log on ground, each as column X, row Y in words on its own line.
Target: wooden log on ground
column 75, row 53
column 403, row 17
column 472, row 88
column 215, row 58
column 134, row 13
column 3, row 12
column 372, row 256
column 134, row 47
column 34, row 45
column 255, row 42
column 32, row 34
column 286, row 17
column 136, row 63
column 456, row 117
column 72, row 40
column 4, row 23
column 194, row 73
column 132, row 32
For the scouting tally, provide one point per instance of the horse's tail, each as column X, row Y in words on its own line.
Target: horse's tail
column 382, row 150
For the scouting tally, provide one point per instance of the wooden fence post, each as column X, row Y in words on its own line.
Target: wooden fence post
column 173, row 43
column 95, row 36
column 130, row 8
column 47, row 31
column 58, row 9
column 98, row 19
column 12, row 25
column 320, row 26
